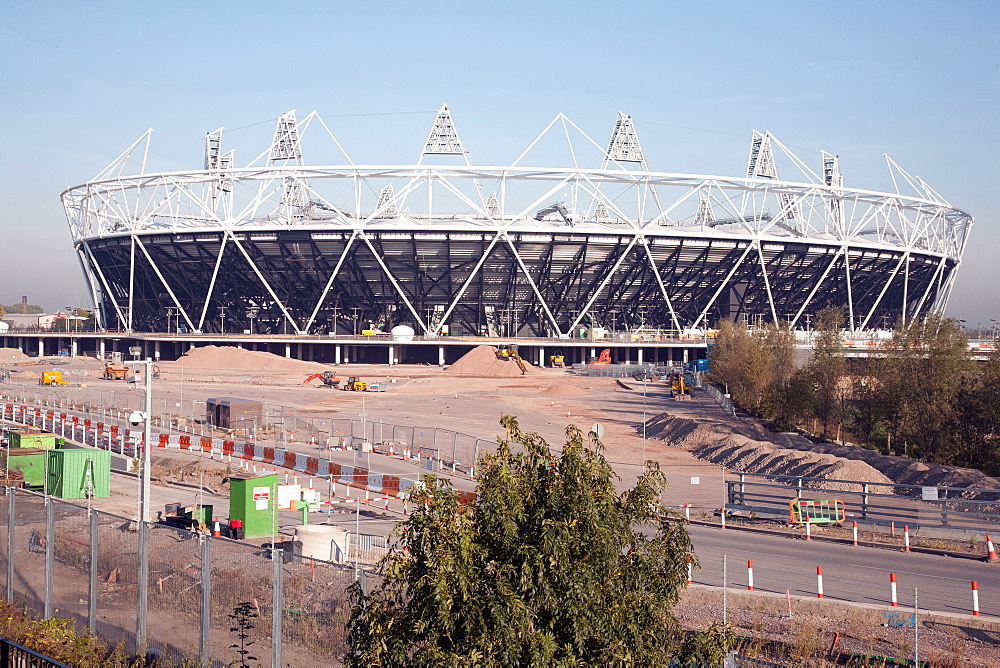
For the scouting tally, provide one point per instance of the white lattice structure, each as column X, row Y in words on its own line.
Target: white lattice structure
column 283, row 246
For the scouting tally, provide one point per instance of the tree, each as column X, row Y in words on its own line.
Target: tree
column 827, row 370
column 545, row 567
column 743, row 364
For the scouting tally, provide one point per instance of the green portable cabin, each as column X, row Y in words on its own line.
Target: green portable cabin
column 31, row 438
column 30, row 462
column 253, row 499
column 79, row 473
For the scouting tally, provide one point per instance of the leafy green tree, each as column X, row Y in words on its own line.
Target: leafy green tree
column 827, row 370
column 546, row 567
column 743, row 363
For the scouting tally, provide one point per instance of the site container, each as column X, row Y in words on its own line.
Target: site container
column 30, row 462
column 253, row 500
column 234, row 413
column 79, row 473
column 31, row 438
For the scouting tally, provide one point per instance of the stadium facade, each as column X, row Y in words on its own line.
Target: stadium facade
column 282, row 247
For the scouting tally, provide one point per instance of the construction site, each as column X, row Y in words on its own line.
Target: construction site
column 328, row 452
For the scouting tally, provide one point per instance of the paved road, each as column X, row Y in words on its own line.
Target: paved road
column 858, row 574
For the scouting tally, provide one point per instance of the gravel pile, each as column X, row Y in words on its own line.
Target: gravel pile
column 12, row 356
column 562, row 390
column 240, row 359
column 482, row 361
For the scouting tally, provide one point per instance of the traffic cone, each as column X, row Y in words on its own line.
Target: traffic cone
column 216, row 530
column 291, row 437
column 991, row 552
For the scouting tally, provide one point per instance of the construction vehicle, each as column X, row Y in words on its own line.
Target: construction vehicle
column 115, row 371
column 605, row 357
column 355, row 384
column 156, row 372
column 328, row 378
column 557, row 360
column 679, row 386
column 51, row 378
column 508, row 352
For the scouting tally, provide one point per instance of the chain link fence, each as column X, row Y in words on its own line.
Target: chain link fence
column 173, row 593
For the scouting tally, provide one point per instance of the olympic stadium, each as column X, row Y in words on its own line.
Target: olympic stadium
column 448, row 246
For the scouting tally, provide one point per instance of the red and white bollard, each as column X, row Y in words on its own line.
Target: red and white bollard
column 687, row 513
column 854, row 528
column 809, row 531
column 819, row 582
column 689, row 569
column 975, row 598
column 749, row 575
column 906, row 538
column 991, row 552
column 723, row 516
column 892, row 590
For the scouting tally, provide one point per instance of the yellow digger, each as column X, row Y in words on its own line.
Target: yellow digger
column 557, row 360
column 115, row 371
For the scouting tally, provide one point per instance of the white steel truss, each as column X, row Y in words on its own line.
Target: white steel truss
column 777, row 232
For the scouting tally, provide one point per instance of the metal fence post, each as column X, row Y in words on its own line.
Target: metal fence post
column 50, row 552
column 204, row 657
column 143, row 603
column 11, row 523
column 92, row 580
column 277, row 608
column 864, row 500
column 798, row 488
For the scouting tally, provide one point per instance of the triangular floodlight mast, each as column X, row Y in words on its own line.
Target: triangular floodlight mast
column 761, row 163
column 624, row 145
column 386, row 207
column 493, row 206
column 213, row 149
column 443, row 138
column 285, row 145
column 704, row 215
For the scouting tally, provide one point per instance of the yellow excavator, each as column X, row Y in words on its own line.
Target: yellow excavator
column 557, row 360
column 115, row 371
column 508, row 352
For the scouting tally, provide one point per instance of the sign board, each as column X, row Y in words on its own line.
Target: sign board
column 261, row 495
column 929, row 493
column 695, row 480
column 598, row 430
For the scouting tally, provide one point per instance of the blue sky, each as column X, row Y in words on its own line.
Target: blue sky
column 917, row 80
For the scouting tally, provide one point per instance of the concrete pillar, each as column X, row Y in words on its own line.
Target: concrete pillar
column 541, row 357
column 440, row 355
column 336, row 354
column 391, row 360
column 73, row 348
column 640, row 356
column 41, row 347
column 100, row 348
column 288, row 350
column 685, row 355
column 593, row 352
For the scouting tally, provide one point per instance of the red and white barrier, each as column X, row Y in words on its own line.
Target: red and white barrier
column 819, row 582
column 809, row 531
column 687, row 513
column 749, row 575
column 689, row 568
column 892, row 590
column 906, row 538
column 854, row 529
column 975, row 598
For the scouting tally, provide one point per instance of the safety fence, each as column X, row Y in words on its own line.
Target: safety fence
column 722, row 399
column 963, row 508
column 174, row 592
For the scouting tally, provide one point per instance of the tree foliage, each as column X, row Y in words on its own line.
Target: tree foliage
column 545, row 567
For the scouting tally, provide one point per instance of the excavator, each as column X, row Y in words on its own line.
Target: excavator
column 328, row 378
column 115, row 371
column 557, row 360
column 509, row 352
column 605, row 357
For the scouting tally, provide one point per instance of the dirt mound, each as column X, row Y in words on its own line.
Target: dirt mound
column 562, row 390
column 748, row 446
column 482, row 361
column 240, row 359
column 12, row 356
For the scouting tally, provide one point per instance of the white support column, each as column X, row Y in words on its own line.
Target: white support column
column 41, row 347
column 541, row 357
column 336, row 354
column 156, row 350
column 440, row 355
column 640, row 355
column 685, row 355
column 593, row 352
column 73, row 348
column 100, row 348
column 391, row 355
column 288, row 350
column 298, row 351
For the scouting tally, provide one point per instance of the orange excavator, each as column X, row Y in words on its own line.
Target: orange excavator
column 327, row 378
column 605, row 357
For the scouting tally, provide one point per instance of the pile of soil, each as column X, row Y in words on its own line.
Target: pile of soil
column 240, row 359
column 482, row 361
column 748, row 446
column 12, row 356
